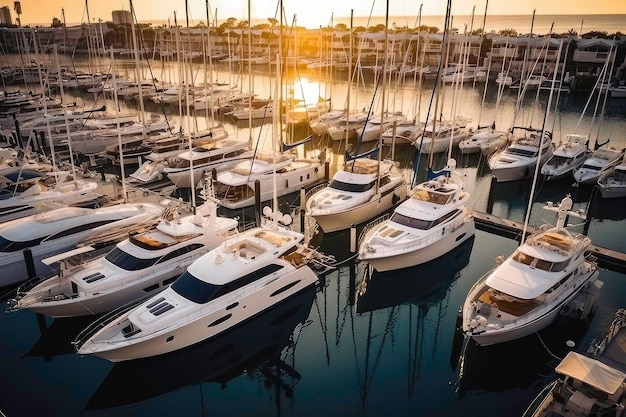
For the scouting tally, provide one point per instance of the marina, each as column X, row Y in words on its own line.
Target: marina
column 283, row 314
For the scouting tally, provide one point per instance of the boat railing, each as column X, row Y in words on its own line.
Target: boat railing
column 104, row 320
column 370, row 226
column 534, row 405
column 314, row 190
column 425, row 240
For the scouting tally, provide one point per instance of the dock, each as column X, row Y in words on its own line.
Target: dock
column 607, row 258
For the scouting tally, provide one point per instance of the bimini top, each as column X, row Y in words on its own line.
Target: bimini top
column 591, row 372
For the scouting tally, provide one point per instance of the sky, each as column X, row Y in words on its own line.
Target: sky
column 308, row 13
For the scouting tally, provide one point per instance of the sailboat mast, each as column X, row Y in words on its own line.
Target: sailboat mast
column 382, row 99
column 137, row 70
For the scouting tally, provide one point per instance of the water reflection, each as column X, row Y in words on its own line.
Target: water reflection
column 520, row 363
column 402, row 312
column 263, row 348
column 56, row 338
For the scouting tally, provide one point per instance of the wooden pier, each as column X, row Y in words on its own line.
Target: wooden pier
column 607, row 258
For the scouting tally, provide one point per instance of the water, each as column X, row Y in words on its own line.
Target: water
column 363, row 344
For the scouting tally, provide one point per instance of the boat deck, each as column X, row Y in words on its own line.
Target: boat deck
column 614, row 351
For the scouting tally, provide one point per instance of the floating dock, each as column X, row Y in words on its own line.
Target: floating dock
column 607, row 258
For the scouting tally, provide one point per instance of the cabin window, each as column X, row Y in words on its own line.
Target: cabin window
column 180, row 252
column 78, row 229
column 352, row 188
column 7, row 245
column 127, row 261
column 202, row 292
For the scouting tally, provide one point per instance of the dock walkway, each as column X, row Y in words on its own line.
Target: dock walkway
column 607, row 258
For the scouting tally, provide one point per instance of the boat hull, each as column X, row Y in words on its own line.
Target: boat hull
column 207, row 326
column 342, row 220
column 526, row 326
column 424, row 254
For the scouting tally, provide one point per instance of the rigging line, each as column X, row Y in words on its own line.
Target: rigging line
column 432, row 95
column 546, row 348
column 152, row 77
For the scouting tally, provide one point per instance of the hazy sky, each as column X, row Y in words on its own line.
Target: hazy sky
column 309, row 13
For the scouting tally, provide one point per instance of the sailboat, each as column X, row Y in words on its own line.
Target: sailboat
column 526, row 292
column 243, row 277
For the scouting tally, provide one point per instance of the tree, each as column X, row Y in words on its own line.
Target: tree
column 56, row 23
column 507, row 32
column 341, row 27
column 273, row 22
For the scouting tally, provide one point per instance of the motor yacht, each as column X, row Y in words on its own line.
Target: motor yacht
column 23, row 192
column 56, row 231
column 229, row 285
column 567, row 157
column 485, row 141
column 612, row 184
column 601, row 161
column 220, row 155
column 430, row 223
column 137, row 267
column 520, row 157
column 525, row 293
column 361, row 190
column 235, row 187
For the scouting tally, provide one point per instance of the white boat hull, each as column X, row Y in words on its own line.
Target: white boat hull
column 342, row 220
column 525, row 326
column 426, row 253
column 205, row 327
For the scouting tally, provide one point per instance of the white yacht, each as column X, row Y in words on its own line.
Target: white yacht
column 319, row 125
column 137, row 267
column 525, row 293
column 375, row 126
column 567, row 157
column 519, row 159
column 437, row 138
column 602, row 160
column 612, row 184
column 361, row 190
column 485, row 141
column 59, row 230
column 220, row 155
column 348, row 125
column 235, row 187
column 24, row 191
column 241, row 278
column 431, row 222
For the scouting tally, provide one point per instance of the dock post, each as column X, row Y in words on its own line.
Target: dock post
column 590, row 209
column 490, row 198
column 352, row 238
column 302, row 208
column 18, row 134
column 257, row 202
column 30, row 264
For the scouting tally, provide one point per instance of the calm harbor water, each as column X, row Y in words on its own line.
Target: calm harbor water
column 362, row 344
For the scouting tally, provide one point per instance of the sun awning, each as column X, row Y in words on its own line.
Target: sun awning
column 592, row 372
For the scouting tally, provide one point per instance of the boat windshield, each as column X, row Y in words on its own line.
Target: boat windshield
column 202, row 292
column 353, row 188
column 423, row 224
column 127, row 261
column 590, row 167
column 194, row 289
column 7, row 245
column 558, row 161
column 521, row 152
column 538, row 263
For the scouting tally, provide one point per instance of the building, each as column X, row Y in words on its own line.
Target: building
column 5, row 16
column 122, row 17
